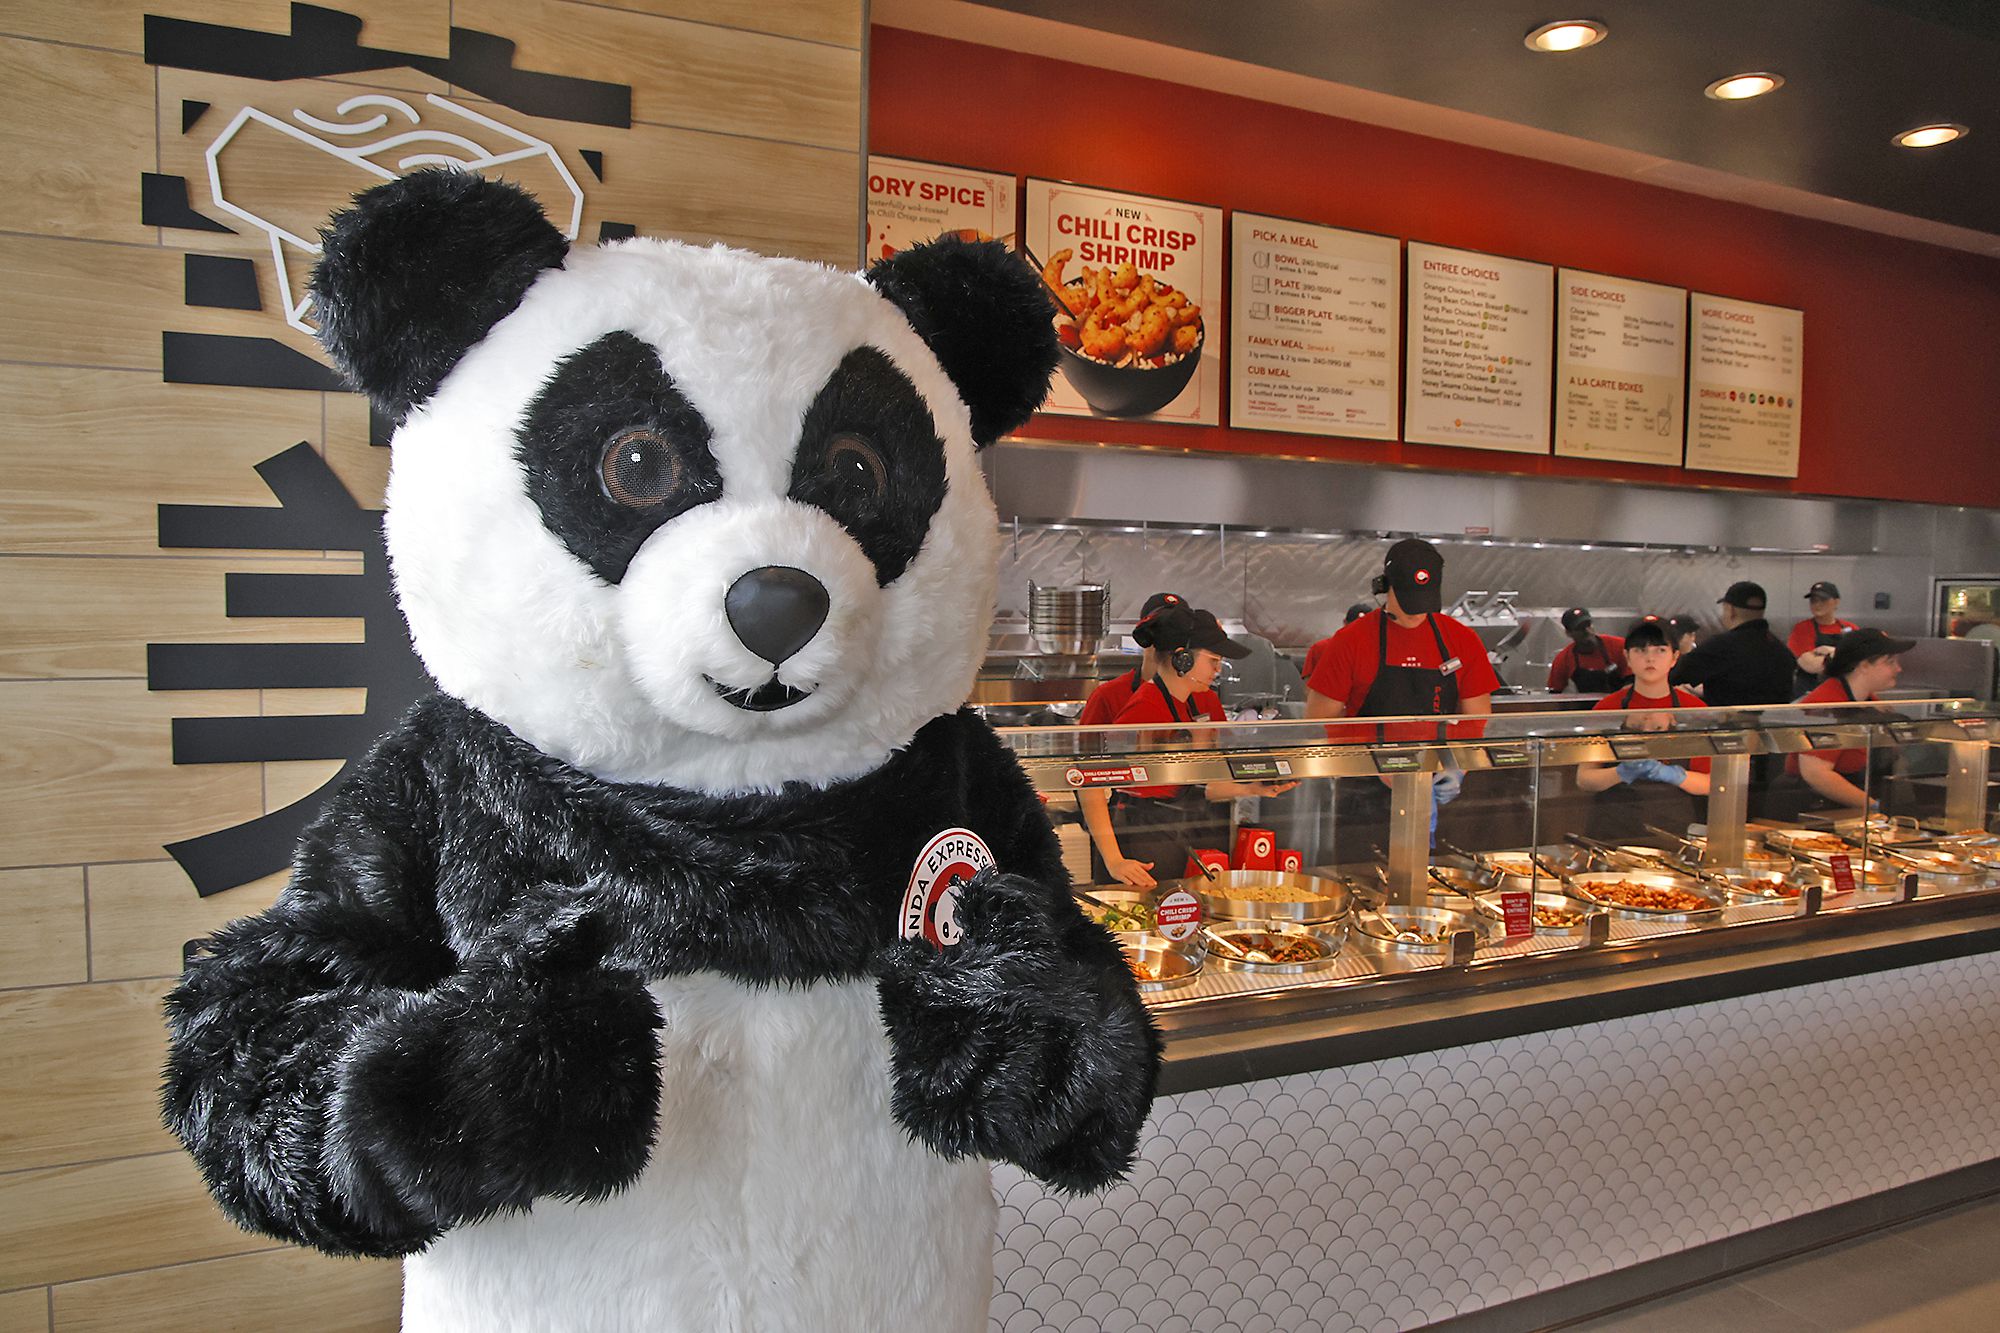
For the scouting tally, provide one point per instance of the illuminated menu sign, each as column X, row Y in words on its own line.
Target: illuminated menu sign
column 1744, row 367
column 1478, row 350
column 913, row 202
column 1314, row 316
column 1141, row 339
column 1621, row 355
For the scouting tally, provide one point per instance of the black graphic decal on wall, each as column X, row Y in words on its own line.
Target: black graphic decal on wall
column 615, row 231
column 592, row 159
column 316, row 513
column 221, row 282
column 326, row 42
column 246, row 363
column 191, row 112
column 163, row 202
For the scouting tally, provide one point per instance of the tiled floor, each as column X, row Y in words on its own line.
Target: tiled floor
column 1938, row 1274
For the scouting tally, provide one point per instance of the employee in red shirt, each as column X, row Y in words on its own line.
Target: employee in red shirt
column 1405, row 660
column 1112, row 695
column 1863, row 664
column 1812, row 639
column 1638, row 792
column 1144, row 829
column 1596, row 662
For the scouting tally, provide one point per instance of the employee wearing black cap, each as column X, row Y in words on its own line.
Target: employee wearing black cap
column 1863, row 664
column 1745, row 664
column 1682, row 631
column 1146, row 829
column 1595, row 662
column 1407, row 659
column 1812, row 639
column 1111, row 696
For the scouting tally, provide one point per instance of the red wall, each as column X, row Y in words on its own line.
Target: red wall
column 1902, row 340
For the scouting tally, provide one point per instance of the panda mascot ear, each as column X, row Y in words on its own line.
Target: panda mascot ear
column 987, row 318
column 418, row 271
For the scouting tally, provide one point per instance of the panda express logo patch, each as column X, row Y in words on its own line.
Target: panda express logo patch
column 930, row 904
column 274, row 171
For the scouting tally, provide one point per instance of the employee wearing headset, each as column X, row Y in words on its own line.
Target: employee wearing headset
column 1143, row 830
column 1407, row 659
column 1111, row 696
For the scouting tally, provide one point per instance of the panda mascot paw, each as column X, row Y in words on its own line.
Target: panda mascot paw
column 530, row 1073
column 1019, row 1042
column 587, row 993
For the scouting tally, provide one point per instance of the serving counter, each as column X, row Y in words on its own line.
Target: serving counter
column 1541, row 1124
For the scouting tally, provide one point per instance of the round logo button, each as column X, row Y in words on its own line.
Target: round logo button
column 930, row 904
column 1178, row 915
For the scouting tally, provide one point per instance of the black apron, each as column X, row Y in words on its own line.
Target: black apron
column 1361, row 805
column 1595, row 680
column 1620, row 814
column 1163, row 829
column 1801, row 682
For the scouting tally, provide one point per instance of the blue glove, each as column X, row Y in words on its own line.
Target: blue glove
column 1651, row 770
column 1445, row 788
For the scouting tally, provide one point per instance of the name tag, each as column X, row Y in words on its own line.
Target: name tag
column 1451, row 664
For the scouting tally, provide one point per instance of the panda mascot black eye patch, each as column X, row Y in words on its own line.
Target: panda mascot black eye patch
column 870, row 456
column 612, row 450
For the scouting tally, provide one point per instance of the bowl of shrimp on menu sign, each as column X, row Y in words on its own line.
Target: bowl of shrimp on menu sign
column 1125, row 340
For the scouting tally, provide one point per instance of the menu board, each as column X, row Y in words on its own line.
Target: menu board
column 1478, row 350
column 1621, row 353
column 1140, row 339
column 913, row 202
column 1313, row 318
column 1744, row 363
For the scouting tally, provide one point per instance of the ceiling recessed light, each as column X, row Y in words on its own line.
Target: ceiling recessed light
column 1566, row 35
column 1930, row 136
column 1739, row 86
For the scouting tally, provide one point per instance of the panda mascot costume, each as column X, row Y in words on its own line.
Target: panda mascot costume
column 621, row 986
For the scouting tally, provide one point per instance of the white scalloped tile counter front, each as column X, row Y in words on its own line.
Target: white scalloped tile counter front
column 1395, row 1193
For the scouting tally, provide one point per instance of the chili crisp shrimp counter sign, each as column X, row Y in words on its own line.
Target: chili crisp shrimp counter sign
column 1479, row 335
column 1141, row 280
column 1620, row 360
column 1314, row 314
column 1744, row 364
column 913, row 202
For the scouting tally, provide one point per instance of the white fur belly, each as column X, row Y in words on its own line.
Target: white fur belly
column 781, row 1196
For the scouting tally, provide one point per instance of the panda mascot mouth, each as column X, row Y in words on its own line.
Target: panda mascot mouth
column 769, row 697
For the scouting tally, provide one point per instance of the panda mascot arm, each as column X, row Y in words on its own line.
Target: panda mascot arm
column 344, row 1074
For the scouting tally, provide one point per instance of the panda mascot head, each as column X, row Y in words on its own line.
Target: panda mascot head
column 682, row 515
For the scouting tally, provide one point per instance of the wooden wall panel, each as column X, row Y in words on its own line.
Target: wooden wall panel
column 94, row 618
column 43, row 943
column 837, row 25
column 82, row 1110
column 142, row 912
column 746, row 131
column 87, row 456
column 25, row 1311
column 45, row 93
column 694, row 75
column 86, row 772
column 295, row 1290
column 71, row 1222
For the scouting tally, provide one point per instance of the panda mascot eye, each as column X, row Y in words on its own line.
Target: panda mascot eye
column 854, row 472
column 640, row 470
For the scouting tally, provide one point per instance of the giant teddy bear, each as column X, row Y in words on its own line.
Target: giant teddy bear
column 593, row 992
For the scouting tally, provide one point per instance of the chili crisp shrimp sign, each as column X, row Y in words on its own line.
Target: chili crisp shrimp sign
column 1140, row 328
column 913, row 202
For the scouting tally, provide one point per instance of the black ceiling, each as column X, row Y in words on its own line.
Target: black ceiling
column 1856, row 72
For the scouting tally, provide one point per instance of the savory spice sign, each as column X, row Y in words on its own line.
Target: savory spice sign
column 1621, row 354
column 1140, row 280
column 913, row 202
column 1744, row 367
column 1478, row 350
column 1313, row 318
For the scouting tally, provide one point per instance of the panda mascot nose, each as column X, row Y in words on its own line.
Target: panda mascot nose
column 776, row 610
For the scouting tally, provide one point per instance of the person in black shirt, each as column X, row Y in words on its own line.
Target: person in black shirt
column 1746, row 663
